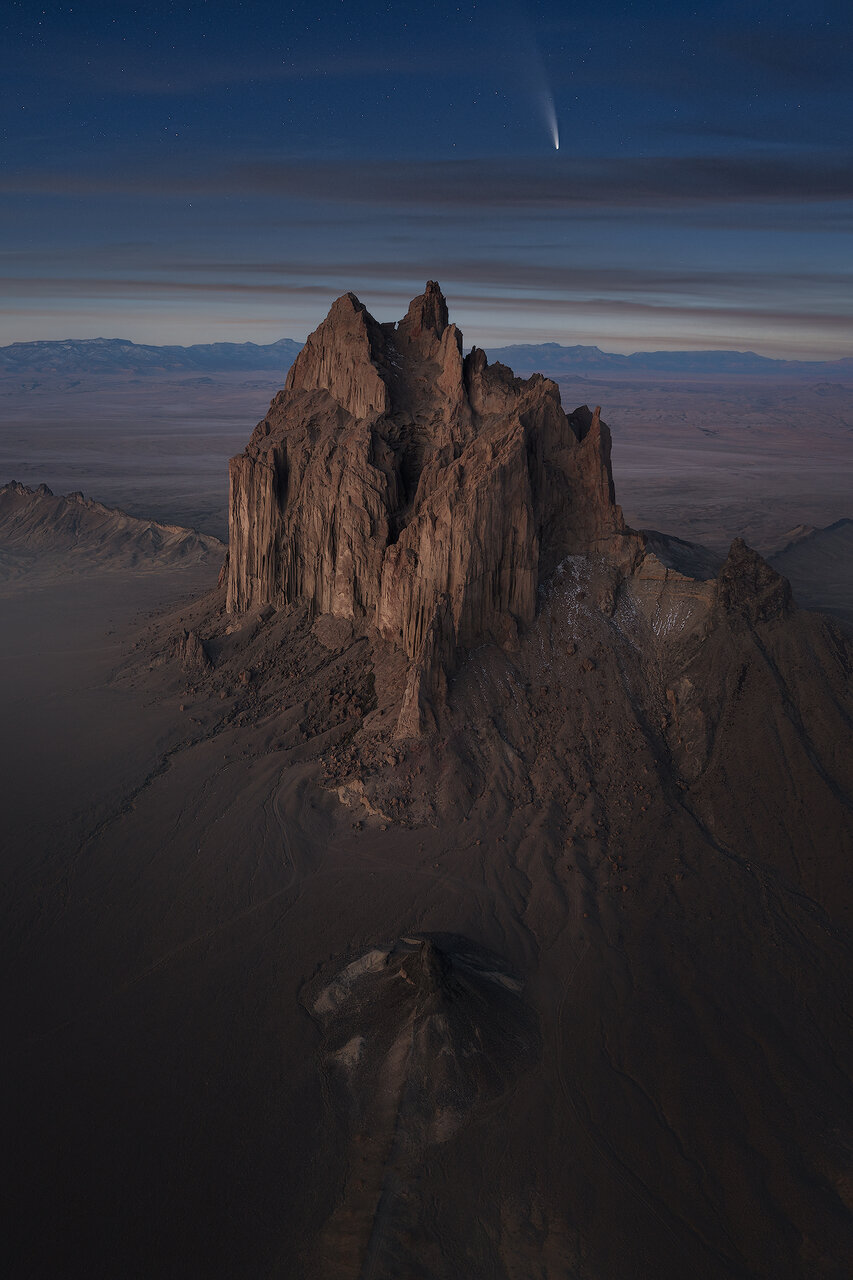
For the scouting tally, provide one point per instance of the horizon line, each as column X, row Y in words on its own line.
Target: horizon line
column 532, row 346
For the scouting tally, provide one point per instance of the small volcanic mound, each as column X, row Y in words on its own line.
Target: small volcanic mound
column 431, row 1024
column 418, row 1036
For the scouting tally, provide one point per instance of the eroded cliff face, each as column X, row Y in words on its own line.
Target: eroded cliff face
column 398, row 485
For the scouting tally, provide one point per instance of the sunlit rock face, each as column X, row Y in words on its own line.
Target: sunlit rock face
column 397, row 484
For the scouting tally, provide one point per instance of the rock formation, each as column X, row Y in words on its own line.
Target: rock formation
column 397, row 484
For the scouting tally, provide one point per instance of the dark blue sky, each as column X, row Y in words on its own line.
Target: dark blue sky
column 202, row 171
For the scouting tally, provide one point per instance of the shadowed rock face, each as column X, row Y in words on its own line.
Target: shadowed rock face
column 394, row 483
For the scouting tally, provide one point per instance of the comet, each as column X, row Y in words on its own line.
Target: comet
column 517, row 33
column 550, row 114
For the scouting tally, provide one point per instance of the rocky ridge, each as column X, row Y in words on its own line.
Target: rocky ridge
column 80, row 533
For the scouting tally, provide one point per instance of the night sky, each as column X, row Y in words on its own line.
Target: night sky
column 180, row 172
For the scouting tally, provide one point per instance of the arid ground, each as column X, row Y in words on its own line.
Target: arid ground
column 192, row 918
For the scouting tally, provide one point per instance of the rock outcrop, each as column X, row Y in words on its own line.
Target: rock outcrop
column 749, row 589
column 399, row 485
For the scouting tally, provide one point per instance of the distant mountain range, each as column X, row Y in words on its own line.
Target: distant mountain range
column 553, row 359
column 117, row 355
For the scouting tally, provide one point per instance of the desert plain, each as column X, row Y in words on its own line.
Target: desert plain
column 204, row 941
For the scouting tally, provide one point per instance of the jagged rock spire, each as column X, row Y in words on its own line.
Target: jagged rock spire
column 396, row 485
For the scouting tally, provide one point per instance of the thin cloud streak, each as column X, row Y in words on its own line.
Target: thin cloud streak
column 489, row 272
column 493, row 272
column 565, row 184
column 130, row 289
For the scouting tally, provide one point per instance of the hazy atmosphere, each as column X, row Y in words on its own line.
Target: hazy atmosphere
column 185, row 172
